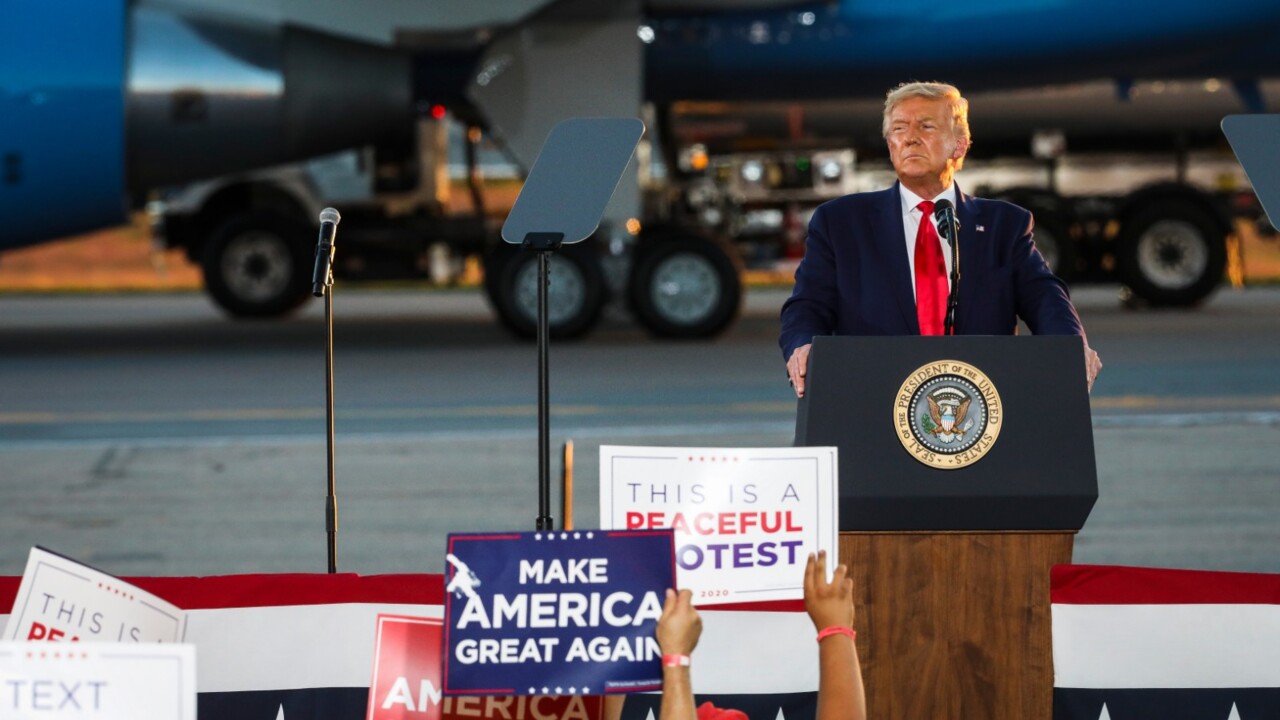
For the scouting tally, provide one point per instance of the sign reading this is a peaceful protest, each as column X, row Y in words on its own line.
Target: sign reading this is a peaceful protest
column 556, row 612
column 745, row 519
column 61, row 600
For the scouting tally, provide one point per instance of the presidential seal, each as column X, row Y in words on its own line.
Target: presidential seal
column 947, row 414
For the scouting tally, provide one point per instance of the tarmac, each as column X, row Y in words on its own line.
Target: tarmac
column 1193, row 490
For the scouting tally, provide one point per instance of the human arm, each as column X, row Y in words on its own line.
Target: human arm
column 1043, row 301
column 811, row 309
column 841, row 695
column 678, row 631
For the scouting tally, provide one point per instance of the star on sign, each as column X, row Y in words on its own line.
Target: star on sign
column 559, row 691
column 545, row 691
column 1235, row 713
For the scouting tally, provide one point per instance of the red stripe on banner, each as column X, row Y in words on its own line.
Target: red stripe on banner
column 1111, row 585
column 8, row 592
column 761, row 606
column 232, row 591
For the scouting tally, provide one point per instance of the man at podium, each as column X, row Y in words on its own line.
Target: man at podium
column 875, row 263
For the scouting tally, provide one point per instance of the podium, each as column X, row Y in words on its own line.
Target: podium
column 966, row 468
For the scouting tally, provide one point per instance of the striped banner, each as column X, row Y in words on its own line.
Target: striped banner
column 1133, row 643
column 270, row 647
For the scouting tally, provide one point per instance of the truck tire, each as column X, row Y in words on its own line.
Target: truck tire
column 1054, row 241
column 257, row 264
column 685, row 287
column 1171, row 253
column 575, row 297
column 1052, row 231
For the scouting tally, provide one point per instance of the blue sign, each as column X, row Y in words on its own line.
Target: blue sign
column 555, row 613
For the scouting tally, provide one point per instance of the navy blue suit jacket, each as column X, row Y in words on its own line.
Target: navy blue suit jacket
column 855, row 278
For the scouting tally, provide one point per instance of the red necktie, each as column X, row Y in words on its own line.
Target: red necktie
column 931, row 274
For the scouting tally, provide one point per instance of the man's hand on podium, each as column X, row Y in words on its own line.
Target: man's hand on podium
column 1092, row 364
column 797, row 366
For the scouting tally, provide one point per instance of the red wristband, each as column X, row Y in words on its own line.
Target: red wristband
column 837, row 630
column 675, row 660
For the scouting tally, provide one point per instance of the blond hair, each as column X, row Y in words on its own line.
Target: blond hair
column 933, row 91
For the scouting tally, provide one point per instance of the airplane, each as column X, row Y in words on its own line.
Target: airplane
column 106, row 100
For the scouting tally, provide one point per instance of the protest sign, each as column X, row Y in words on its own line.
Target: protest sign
column 406, row 682
column 555, row 613
column 745, row 519
column 61, row 600
column 105, row 681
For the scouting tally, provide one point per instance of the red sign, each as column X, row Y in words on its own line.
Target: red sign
column 406, row 682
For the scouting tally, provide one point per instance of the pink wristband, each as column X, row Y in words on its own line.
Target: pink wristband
column 675, row 661
column 837, row 630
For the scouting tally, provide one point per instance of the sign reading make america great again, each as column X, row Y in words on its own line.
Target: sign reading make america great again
column 555, row 613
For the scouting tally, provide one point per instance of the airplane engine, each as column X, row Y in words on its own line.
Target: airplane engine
column 102, row 101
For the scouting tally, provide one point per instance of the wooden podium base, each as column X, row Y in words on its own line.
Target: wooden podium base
column 955, row 625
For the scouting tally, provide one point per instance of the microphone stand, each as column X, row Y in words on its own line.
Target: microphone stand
column 952, row 227
column 331, row 500
column 322, row 284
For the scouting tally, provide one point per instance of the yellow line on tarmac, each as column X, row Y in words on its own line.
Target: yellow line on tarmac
column 1184, row 403
column 785, row 408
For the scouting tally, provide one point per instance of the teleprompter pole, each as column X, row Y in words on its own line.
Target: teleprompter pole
column 544, row 244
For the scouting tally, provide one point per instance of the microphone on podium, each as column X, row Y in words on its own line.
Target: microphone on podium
column 949, row 228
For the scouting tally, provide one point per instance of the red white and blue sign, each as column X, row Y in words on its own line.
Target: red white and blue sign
column 555, row 613
column 1138, row 643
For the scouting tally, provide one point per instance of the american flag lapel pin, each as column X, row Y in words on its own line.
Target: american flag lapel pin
column 980, row 228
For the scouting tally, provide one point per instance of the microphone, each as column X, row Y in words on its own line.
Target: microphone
column 322, row 277
column 949, row 228
column 945, row 213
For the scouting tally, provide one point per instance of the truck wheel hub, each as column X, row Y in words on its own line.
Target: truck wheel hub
column 685, row 287
column 1172, row 254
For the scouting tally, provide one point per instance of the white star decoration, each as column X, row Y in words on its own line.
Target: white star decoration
column 780, row 715
column 1235, row 713
column 280, row 714
column 650, row 715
